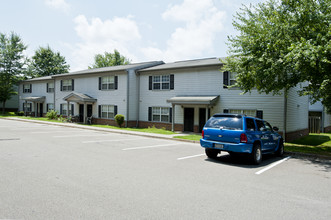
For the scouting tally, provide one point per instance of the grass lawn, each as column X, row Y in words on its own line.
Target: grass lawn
column 147, row 130
column 192, row 137
column 313, row 144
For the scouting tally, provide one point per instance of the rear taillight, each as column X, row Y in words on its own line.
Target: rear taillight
column 203, row 134
column 243, row 138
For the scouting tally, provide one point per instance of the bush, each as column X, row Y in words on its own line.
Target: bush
column 20, row 113
column 119, row 119
column 51, row 115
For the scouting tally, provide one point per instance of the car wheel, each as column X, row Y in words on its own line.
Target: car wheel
column 280, row 150
column 257, row 154
column 211, row 153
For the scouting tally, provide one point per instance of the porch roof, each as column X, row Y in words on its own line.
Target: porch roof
column 194, row 100
column 79, row 97
column 35, row 98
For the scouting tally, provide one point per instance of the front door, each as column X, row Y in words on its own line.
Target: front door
column 81, row 112
column 202, row 118
column 41, row 108
column 89, row 110
column 189, row 119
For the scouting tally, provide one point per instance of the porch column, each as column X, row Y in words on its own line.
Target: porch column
column 68, row 103
column 35, row 109
column 207, row 108
column 173, row 118
column 26, row 107
column 85, row 112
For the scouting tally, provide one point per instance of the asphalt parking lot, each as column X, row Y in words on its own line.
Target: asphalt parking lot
column 54, row 172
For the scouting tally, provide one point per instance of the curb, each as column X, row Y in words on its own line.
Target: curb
column 71, row 125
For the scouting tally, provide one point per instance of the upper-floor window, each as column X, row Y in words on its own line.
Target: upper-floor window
column 67, row 85
column 229, row 79
column 108, row 82
column 161, row 82
column 50, row 87
column 27, row 88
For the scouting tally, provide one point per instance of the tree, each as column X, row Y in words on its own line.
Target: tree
column 282, row 43
column 12, row 63
column 46, row 62
column 109, row 59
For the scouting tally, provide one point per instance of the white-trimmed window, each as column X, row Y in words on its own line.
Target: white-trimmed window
column 161, row 82
column 27, row 88
column 232, row 78
column 160, row 114
column 107, row 82
column 27, row 107
column 107, row 111
column 64, row 108
column 50, row 106
column 66, row 85
column 50, row 87
column 247, row 112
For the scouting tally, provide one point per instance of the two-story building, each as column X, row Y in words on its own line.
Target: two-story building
column 179, row 96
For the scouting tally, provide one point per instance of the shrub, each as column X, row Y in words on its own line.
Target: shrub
column 119, row 119
column 51, row 115
column 20, row 113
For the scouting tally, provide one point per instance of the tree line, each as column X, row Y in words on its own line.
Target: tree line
column 15, row 66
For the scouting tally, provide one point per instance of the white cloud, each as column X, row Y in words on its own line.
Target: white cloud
column 201, row 23
column 58, row 4
column 98, row 36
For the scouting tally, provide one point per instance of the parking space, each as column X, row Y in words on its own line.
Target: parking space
column 58, row 172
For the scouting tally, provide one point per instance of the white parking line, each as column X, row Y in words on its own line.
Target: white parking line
column 81, row 135
column 112, row 140
column 188, row 157
column 272, row 165
column 153, row 146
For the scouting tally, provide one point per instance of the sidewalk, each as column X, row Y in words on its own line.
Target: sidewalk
column 137, row 133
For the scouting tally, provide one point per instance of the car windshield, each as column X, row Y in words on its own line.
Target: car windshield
column 228, row 123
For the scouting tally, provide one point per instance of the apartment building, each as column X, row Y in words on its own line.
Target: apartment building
column 178, row 96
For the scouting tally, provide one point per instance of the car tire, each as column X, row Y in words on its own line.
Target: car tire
column 257, row 154
column 280, row 150
column 211, row 153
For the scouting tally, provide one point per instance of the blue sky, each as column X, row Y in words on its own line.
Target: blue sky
column 144, row 30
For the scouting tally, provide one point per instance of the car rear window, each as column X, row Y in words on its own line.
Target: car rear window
column 228, row 123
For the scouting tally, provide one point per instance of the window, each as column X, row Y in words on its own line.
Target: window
column 50, row 106
column 260, row 125
column 107, row 111
column 50, row 87
column 161, row 82
column 250, row 124
column 107, row 82
column 245, row 112
column 27, row 88
column 160, row 114
column 67, row 85
column 64, row 108
column 27, row 107
column 232, row 78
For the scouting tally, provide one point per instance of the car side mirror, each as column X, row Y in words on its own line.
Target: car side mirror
column 275, row 128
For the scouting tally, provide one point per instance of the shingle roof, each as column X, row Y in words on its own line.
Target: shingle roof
column 186, row 64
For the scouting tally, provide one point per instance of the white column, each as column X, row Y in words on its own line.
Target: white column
column 85, row 112
column 68, row 109
column 173, row 118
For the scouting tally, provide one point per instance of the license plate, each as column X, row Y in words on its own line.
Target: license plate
column 219, row 146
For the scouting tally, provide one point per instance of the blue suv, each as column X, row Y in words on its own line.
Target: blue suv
column 237, row 133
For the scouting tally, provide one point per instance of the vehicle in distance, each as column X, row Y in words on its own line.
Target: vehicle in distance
column 240, row 134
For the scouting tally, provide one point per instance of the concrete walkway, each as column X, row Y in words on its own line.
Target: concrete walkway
column 137, row 133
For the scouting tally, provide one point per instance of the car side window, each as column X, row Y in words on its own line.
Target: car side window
column 268, row 126
column 260, row 125
column 250, row 125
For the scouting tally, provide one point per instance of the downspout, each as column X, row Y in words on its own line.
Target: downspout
column 138, row 97
column 127, row 98
column 285, row 114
